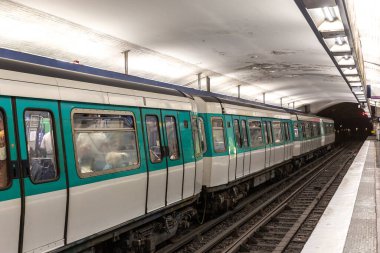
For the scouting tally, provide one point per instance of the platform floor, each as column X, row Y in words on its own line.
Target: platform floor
column 351, row 222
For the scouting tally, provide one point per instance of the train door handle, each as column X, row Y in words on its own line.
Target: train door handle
column 15, row 169
column 25, row 168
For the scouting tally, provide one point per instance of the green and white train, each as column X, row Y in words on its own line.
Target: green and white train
column 88, row 159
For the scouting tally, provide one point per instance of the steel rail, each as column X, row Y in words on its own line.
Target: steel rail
column 176, row 244
column 319, row 168
column 235, row 247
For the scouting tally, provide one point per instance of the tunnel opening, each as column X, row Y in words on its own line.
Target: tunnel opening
column 351, row 122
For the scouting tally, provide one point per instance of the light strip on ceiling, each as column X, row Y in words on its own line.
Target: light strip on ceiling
column 329, row 13
column 329, row 21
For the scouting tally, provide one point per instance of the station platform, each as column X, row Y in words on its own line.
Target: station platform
column 351, row 221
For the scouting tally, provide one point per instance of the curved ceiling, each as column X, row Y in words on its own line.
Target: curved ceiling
column 263, row 46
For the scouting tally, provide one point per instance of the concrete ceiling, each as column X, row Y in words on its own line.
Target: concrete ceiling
column 264, row 46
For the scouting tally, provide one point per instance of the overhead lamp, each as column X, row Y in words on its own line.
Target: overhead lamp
column 339, row 41
column 329, row 13
column 355, row 84
column 347, row 56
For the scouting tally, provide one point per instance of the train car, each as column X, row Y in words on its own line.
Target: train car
column 85, row 159
column 310, row 136
column 244, row 145
column 328, row 132
column 83, row 156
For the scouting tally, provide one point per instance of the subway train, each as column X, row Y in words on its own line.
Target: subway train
column 87, row 159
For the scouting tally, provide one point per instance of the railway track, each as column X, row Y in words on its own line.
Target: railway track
column 233, row 231
column 274, row 226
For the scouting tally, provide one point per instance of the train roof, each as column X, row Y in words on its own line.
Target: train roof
column 241, row 102
column 42, row 66
column 24, row 67
column 38, row 65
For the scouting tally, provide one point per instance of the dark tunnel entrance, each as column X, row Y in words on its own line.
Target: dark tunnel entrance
column 351, row 122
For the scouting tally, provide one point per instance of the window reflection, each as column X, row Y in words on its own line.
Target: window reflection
column 41, row 146
column 154, row 140
column 105, row 142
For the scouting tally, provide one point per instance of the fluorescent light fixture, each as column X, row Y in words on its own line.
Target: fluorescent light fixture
column 353, row 78
column 339, row 41
column 329, row 13
column 355, row 84
column 349, row 71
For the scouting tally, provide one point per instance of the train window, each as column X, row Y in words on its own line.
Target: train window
column 318, row 129
column 265, row 132
column 308, row 129
column 154, row 139
column 303, row 126
column 285, row 127
column 312, row 133
column 237, row 133
column 295, row 129
column 171, row 133
column 202, row 134
column 105, row 141
column 41, row 146
column 268, row 132
column 315, row 129
column 4, row 176
column 218, row 134
column 196, row 136
column 277, row 132
column 255, row 133
column 244, row 133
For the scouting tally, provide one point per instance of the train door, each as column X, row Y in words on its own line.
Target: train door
column 231, row 148
column 257, row 142
column 198, row 154
column 44, row 174
column 10, row 196
column 156, row 162
column 269, row 154
column 288, row 141
column 164, row 160
column 245, row 145
column 239, row 146
column 174, row 158
column 272, row 146
column 188, row 156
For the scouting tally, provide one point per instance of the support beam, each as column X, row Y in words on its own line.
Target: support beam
column 264, row 97
column 238, row 91
column 208, row 83
column 281, row 102
column 126, row 61
column 306, row 108
column 199, row 81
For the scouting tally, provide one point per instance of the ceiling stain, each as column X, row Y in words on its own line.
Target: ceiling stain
column 283, row 52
